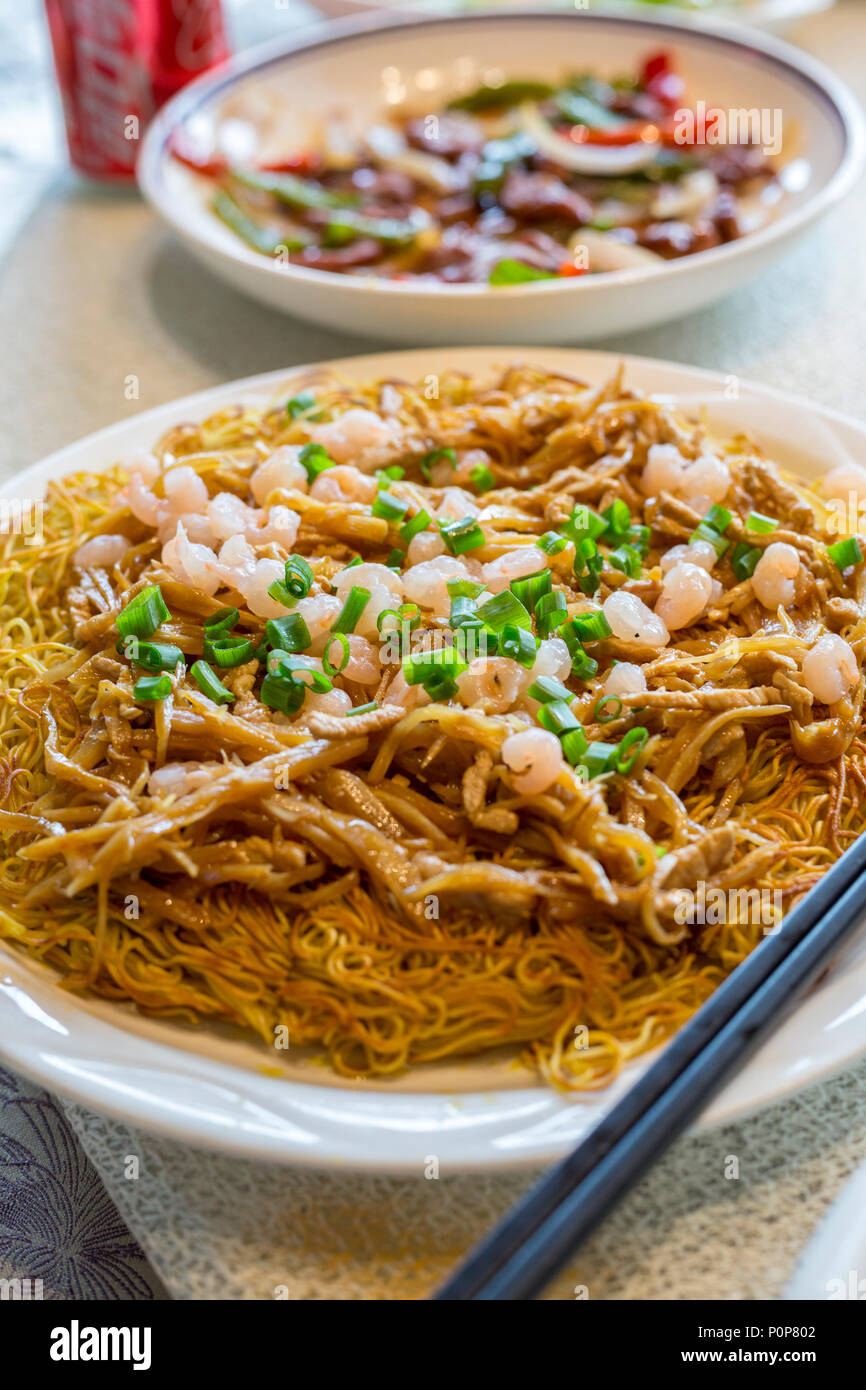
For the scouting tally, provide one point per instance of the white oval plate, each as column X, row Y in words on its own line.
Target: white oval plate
column 353, row 64
column 776, row 15
column 205, row 1089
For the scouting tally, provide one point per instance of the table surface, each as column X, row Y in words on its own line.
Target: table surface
column 95, row 291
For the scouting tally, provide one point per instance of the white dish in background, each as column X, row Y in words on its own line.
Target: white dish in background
column 775, row 15
column 347, row 67
column 206, row 1089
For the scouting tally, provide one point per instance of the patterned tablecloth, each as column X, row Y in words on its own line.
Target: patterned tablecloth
column 96, row 291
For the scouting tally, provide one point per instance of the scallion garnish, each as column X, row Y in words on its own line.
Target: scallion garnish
column 704, row 532
column 552, row 542
column 228, row 651
column 557, row 717
column 290, row 633
column 315, row 458
column 482, row 478
column 152, row 687
column 154, row 656
column 329, row 668
column 503, row 608
column 416, row 524
column 583, row 524
column 588, row 564
column 618, row 518
column 548, row 688
column 285, row 695
column 762, row 525
column 297, row 668
column 392, row 474
column 624, row 758
column 845, row 553
column 299, row 576
column 462, row 535
column 550, row 612
column 574, row 745
column 591, row 627
column 363, row 709
column 603, row 716
column 210, row 684
column 531, row 588
column 719, row 518
column 389, row 507
column 463, row 610
column 744, row 558
column 219, row 624
column 518, row 645
column 626, row 559
column 598, row 757
column 300, row 404
column 143, row 614
column 350, row 613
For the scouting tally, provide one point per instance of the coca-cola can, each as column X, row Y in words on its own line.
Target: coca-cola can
column 117, row 62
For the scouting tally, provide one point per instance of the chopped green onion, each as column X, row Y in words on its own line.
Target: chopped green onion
column 228, row 651
column 154, row 656
column 389, row 507
column 395, row 559
column 417, row 670
column 591, row 627
column 350, row 613
column 518, row 644
column 219, row 624
column 352, row 563
column 587, row 565
column 626, row 559
column 290, row 633
column 143, row 614
column 548, row 688
column 300, row 404
column 315, row 459
column 299, row 576
column 295, row 668
column 412, row 528
column 463, row 535
column 582, row 665
column 552, row 542
column 503, row 608
column 410, row 613
column 600, row 715
column 437, row 456
column 440, row 686
column 744, row 558
column 845, row 553
column 583, row 524
column 152, row 687
column 624, row 759
column 556, row 716
column 639, row 537
column 392, row 474
column 329, row 668
column 532, row 587
column 618, row 518
column 703, row 532
column 463, row 610
column 574, row 745
column 388, row 613
column 763, row 525
column 280, row 594
column 363, row 709
column 284, row 695
column 482, row 478
column 464, row 588
column 719, row 518
column 208, row 682
column 598, row 757
column 550, row 612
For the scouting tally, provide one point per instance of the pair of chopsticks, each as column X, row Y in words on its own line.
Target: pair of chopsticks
column 522, row 1254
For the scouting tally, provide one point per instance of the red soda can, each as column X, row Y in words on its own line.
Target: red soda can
column 117, row 62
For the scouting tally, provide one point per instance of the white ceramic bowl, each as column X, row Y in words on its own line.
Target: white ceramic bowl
column 354, row 63
column 205, row 1087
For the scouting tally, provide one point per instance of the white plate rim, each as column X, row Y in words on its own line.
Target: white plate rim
column 799, row 67
column 462, row 1128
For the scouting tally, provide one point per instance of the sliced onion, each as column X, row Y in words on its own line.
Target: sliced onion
column 607, row 252
column 585, row 159
column 389, row 148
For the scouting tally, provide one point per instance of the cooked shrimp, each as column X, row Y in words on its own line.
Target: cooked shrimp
column 425, row 546
column 513, row 564
column 190, row 562
column 455, row 505
column 775, row 572
column 325, row 702
column 552, row 659
column 844, row 479
column 663, row 470
column 496, row 680
column 535, row 758
column 408, row 697
column 282, row 469
column 236, row 560
column 381, row 599
column 666, row 470
column 101, row 552
column 697, row 552
column 830, row 668
column 319, row 612
column 368, row 576
column 344, row 484
column 363, row 664
column 625, row 678
column 176, row 779
column 254, row 588
column 184, row 490
column 356, row 433
column 426, row 584
column 281, row 526
column 228, row 516
column 685, row 594
column 632, row 621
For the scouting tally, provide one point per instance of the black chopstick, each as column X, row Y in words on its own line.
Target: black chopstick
column 521, row 1255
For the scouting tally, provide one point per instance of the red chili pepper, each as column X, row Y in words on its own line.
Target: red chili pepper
column 214, row 165
column 306, row 163
column 659, row 79
column 622, row 135
column 568, row 268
